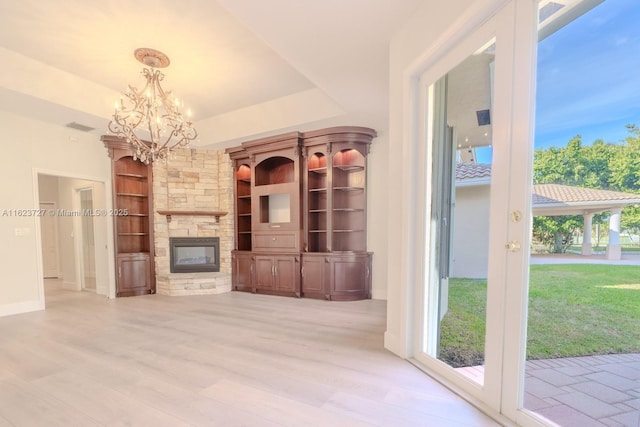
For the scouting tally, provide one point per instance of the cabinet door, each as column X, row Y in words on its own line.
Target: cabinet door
column 264, row 272
column 242, row 271
column 134, row 275
column 287, row 274
column 314, row 276
column 350, row 277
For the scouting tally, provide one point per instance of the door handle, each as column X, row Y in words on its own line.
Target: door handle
column 513, row 246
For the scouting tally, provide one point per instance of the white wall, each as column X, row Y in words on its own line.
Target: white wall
column 377, row 199
column 30, row 147
column 471, row 232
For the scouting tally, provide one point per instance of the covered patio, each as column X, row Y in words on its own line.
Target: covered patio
column 557, row 200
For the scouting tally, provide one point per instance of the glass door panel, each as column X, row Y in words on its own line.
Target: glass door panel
column 583, row 342
column 459, row 214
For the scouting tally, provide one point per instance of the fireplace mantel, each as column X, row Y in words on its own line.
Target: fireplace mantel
column 215, row 214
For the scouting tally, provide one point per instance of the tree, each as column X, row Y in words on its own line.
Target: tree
column 556, row 232
column 601, row 165
column 625, row 175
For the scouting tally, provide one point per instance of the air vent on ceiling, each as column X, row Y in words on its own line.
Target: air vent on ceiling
column 78, row 126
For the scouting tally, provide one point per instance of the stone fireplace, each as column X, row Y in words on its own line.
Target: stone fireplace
column 193, row 183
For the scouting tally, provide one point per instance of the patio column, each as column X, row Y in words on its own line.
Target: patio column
column 613, row 248
column 587, row 248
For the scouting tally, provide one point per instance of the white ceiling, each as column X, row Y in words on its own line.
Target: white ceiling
column 231, row 60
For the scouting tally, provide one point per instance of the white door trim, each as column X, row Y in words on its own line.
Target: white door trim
column 110, row 254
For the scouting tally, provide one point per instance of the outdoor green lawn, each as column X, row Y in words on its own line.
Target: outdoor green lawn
column 574, row 310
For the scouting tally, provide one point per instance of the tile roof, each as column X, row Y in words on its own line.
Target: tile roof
column 553, row 199
column 472, row 171
column 555, row 193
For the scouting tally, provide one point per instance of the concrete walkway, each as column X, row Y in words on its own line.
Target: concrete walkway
column 628, row 258
column 585, row 391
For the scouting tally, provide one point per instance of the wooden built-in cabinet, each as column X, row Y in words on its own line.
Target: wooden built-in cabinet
column 277, row 273
column 242, row 270
column 300, row 214
column 133, row 219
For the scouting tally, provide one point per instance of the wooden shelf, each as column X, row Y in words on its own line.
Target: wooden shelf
column 349, row 168
column 319, row 171
column 320, row 250
column 215, row 214
column 132, row 175
column 132, row 195
column 348, row 188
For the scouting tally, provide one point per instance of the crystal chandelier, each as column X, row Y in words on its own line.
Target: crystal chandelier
column 153, row 113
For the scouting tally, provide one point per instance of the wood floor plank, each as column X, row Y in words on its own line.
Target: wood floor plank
column 103, row 404
column 5, row 423
column 22, row 404
column 385, row 414
column 287, row 412
column 235, row 359
column 444, row 405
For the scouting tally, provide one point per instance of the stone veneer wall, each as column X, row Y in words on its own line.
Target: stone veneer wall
column 193, row 180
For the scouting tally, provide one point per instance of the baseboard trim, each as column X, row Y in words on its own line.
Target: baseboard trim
column 381, row 295
column 21, row 307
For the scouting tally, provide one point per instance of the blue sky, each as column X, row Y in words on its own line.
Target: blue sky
column 589, row 78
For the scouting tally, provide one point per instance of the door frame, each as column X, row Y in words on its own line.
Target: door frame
column 109, row 274
column 514, row 23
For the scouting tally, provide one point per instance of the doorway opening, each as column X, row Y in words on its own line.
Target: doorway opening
column 73, row 234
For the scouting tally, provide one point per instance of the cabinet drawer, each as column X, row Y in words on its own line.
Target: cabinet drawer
column 280, row 241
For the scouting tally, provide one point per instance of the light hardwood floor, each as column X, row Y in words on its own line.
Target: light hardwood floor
column 234, row 359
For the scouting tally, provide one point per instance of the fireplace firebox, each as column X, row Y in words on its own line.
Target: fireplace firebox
column 194, row 254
